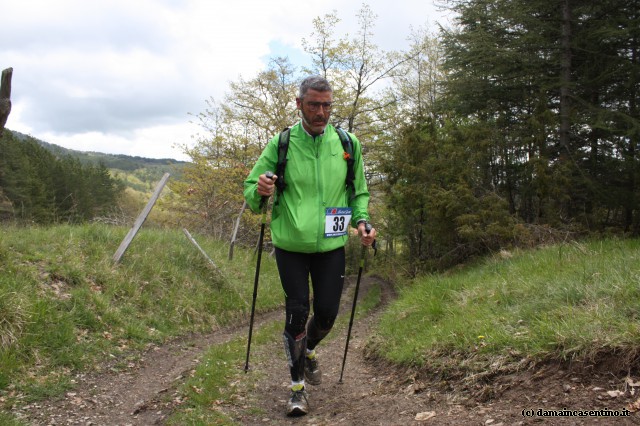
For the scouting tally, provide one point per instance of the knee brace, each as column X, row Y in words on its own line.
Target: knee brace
column 295, row 350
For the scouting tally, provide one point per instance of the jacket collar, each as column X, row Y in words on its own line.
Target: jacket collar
column 305, row 130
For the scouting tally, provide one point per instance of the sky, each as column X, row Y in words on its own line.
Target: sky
column 129, row 76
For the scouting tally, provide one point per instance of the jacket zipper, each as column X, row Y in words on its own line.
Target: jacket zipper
column 319, row 187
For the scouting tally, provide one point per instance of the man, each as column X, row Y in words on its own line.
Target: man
column 306, row 227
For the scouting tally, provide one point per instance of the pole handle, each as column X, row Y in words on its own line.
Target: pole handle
column 367, row 229
column 263, row 200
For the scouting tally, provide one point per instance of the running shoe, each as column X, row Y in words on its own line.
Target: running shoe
column 312, row 373
column 298, row 404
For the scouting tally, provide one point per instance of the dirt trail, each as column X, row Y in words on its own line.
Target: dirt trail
column 370, row 394
column 144, row 394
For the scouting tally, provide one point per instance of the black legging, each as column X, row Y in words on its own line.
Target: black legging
column 327, row 278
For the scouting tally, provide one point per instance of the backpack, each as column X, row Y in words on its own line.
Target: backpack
column 347, row 145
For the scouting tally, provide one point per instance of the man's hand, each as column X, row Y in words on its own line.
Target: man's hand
column 366, row 239
column 266, row 186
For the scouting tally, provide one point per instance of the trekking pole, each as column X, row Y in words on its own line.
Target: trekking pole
column 367, row 229
column 263, row 206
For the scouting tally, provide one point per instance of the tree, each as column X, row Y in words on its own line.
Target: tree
column 327, row 54
column 435, row 201
column 357, row 69
column 44, row 188
column 416, row 91
column 259, row 108
column 418, row 83
column 547, row 75
column 236, row 132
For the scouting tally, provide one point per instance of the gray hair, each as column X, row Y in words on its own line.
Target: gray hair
column 315, row 82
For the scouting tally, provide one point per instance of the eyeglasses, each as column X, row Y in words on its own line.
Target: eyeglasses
column 315, row 106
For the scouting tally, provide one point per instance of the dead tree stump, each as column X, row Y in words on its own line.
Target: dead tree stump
column 5, row 97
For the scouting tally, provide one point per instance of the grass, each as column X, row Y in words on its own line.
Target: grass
column 8, row 420
column 220, row 379
column 65, row 307
column 576, row 301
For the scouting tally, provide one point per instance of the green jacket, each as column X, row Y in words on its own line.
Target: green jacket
column 315, row 175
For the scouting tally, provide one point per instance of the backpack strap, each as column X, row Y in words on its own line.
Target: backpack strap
column 347, row 146
column 283, row 146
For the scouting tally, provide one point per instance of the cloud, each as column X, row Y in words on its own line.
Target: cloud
column 96, row 74
column 162, row 141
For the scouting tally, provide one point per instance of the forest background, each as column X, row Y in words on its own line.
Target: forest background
column 517, row 126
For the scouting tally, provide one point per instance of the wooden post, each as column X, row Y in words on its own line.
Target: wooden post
column 141, row 218
column 195, row 243
column 5, row 97
column 235, row 230
column 215, row 267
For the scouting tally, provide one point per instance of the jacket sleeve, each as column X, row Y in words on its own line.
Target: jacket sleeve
column 267, row 162
column 360, row 202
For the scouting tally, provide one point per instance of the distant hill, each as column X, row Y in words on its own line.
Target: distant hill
column 153, row 168
column 111, row 161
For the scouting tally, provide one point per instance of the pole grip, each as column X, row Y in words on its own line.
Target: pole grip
column 367, row 229
column 263, row 200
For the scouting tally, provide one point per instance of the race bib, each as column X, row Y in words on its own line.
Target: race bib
column 336, row 223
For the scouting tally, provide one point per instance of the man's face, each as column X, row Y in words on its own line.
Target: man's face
column 315, row 108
